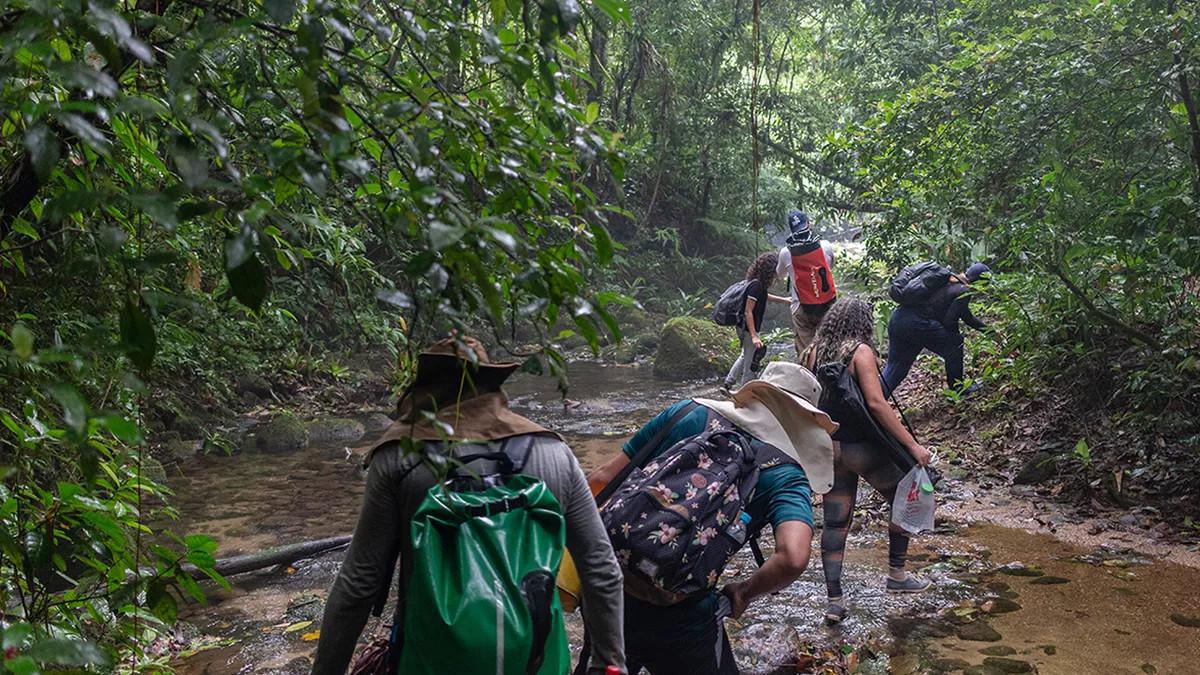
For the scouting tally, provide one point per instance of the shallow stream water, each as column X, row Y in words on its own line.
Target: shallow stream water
column 1005, row 600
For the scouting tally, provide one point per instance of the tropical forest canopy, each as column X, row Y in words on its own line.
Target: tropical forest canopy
column 193, row 190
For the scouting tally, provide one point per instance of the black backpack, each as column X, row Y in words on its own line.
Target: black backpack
column 677, row 521
column 916, row 283
column 843, row 400
column 730, row 309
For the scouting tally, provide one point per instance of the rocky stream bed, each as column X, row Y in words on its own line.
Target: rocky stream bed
column 1008, row 597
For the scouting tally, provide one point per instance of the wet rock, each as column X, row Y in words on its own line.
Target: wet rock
column 998, row 650
column 949, row 665
column 1017, row 569
column 253, row 384
column 187, row 426
column 1002, row 590
column 376, row 422
column 176, row 450
column 1004, row 665
column 1050, row 581
column 283, row 433
column 1040, row 468
column 692, row 348
column 978, row 632
column 336, row 430
column 1185, row 620
column 999, row 606
column 153, row 470
column 305, row 607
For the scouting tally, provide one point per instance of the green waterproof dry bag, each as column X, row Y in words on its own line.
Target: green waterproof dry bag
column 486, row 551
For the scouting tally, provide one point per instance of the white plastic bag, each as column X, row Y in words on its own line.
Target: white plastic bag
column 912, row 509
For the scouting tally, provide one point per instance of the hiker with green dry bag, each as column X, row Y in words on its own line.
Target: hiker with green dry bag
column 476, row 503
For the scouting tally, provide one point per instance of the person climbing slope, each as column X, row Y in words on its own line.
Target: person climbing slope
column 759, row 277
column 846, row 338
column 931, row 322
column 808, row 263
column 457, row 384
column 678, row 454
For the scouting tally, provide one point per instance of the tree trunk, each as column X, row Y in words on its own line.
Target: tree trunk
column 239, row 564
column 1189, row 106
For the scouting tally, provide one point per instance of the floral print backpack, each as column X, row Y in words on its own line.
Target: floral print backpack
column 677, row 521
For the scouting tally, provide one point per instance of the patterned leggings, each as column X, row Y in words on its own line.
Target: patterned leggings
column 872, row 463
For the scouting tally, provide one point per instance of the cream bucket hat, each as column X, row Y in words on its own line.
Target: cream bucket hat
column 780, row 408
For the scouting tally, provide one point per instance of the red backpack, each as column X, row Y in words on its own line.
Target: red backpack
column 814, row 279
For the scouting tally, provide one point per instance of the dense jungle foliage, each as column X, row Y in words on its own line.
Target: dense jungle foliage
column 193, row 191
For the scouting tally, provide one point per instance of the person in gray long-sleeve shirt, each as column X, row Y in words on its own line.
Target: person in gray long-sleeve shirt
column 393, row 494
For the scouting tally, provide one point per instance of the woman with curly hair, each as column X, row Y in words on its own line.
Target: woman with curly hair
column 761, row 274
column 847, row 336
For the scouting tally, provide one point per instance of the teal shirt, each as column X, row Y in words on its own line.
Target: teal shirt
column 782, row 493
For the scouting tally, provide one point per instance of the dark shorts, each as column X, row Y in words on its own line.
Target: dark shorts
column 684, row 639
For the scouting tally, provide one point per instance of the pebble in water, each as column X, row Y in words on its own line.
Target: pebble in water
column 1185, row 620
column 998, row 650
column 1050, row 581
column 999, row 606
column 1003, row 665
column 1017, row 569
column 978, row 632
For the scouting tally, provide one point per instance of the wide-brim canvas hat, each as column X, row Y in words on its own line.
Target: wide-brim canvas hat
column 780, row 408
column 456, row 395
column 461, row 357
column 798, row 387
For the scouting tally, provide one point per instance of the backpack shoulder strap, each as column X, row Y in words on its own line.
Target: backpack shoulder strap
column 518, row 449
column 643, row 453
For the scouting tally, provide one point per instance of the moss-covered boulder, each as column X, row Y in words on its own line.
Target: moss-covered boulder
column 336, row 430
column 283, row 433
column 692, row 349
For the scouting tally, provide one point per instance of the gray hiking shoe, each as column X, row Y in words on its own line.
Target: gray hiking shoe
column 910, row 584
column 835, row 612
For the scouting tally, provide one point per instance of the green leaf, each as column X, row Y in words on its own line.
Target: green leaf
column 249, row 282
column 21, row 665
column 125, row 430
column 161, row 603
column 59, row 652
column 75, row 414
column 442, row 235
column 87, row 79
column 373, row 148
column 22, row 340
column 137, row 335
column 85, row 132
column 190, row 163
column 14, row 635
column 532, row 365
column 43, row 147
column 617, row 10
column 280, row 11
column 591, row 113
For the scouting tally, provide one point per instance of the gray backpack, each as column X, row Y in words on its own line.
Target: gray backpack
column 730, row 309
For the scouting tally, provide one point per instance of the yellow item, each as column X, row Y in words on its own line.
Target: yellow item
column 569, row 586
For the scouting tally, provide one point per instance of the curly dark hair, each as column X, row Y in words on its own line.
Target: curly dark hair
column 848, row 323
column 763, row 269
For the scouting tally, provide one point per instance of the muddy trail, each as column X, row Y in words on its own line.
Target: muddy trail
column 1005, row 599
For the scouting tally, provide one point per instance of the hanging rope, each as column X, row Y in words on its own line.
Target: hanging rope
column 755, row 159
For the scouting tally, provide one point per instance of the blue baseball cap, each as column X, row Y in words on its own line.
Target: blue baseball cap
column 976, row 271
column 798, row 221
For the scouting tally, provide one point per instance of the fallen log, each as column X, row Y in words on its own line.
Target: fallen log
column 281, row 555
